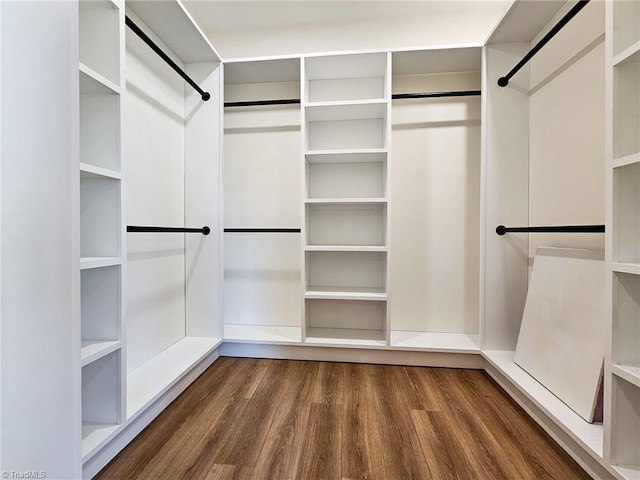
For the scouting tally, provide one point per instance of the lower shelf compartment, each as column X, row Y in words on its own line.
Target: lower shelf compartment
column 625, row 431
column 101, row 400
column 436, row 341
column 589, row 436
column 345, row 337
column 345, row 322
column 94, row 435
column 262, row 333
column 150, row 380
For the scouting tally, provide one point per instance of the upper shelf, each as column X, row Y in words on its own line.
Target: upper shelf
column 262, row 71
column 434, row 61
column 176, row 27
column 524, row 20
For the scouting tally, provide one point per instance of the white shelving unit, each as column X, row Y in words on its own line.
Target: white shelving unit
column 623, row 238
column 101, row 222
column 346, row 135
column 435, row 226
column 126, row 382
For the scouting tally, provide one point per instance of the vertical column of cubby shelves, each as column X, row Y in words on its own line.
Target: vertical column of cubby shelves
column 346, row 101
column 623, row 235
column 101, row 25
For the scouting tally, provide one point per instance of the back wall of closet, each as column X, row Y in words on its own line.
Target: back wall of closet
column 567, row 144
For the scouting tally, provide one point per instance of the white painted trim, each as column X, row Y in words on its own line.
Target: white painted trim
column 352, row 355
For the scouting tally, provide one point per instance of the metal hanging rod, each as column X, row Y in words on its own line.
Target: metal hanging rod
column 504, row 81
column 138, row 229
column 205, row 95
column 286, row 101
column 461, row 93
column 261, row 230
column 501, row 229
column 289, row 101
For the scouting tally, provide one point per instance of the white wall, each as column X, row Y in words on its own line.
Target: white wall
column 154, row 114
column 41, row 421
column 262, row 189
column 567, row 114
column 435, row 206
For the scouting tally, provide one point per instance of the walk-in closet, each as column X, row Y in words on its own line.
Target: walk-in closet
column 235, row 230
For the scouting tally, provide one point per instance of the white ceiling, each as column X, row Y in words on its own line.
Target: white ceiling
column 224, row 15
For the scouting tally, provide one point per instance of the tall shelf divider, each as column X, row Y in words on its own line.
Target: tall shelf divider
column 622, row 371
column 102, row 354
column 346, row 135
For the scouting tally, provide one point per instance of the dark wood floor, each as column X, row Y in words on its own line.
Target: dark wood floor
column 277, row 420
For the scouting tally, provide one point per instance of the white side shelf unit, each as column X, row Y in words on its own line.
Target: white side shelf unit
column 101, row 226
column 622, row 410
column 506, row 170
column 345, row 141
column 118, row 399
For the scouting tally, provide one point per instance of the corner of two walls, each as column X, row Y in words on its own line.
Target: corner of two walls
column 567, row 132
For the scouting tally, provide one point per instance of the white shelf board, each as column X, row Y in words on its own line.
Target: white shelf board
column 629, row 55
column 436, row 341
column 346, row 103
column 365, row 155
column 630, row 373
column 170, row 21
column 589, row 436
column 88, row 170
column 524, row 20
column 150, row 380
column 93, row 350
column 95, row 436
column 345, row 337
column 262, row 71
column 339, row 111
column 627, row 473
column 91, row 82
column 339, row 201
column 98, row 262
column 344, row 293
column 345, row 248
column 632, row 268
column 437, row 60
column 626, row 160
column 261, row 333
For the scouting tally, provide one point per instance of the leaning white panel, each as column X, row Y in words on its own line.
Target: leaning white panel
column 560, row 341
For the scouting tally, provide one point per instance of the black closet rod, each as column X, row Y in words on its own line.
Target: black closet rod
column 205, row 95
column 504, row 81
column 501, row 229
column 261, row 230
column 140, row 229
column 254, row 103
column 460, row 93
column 289, row 101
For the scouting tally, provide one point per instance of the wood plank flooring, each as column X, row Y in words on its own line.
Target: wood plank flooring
column 249, row 419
